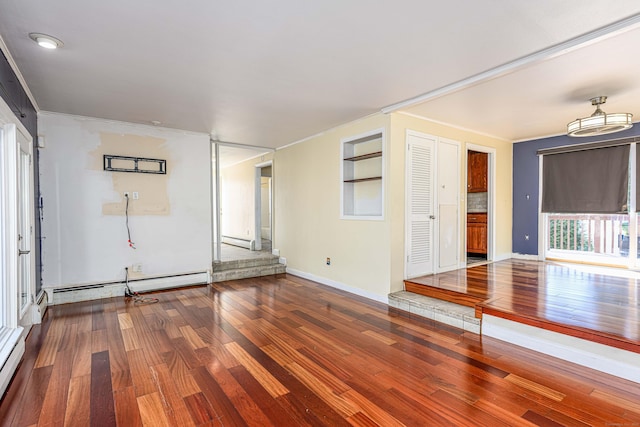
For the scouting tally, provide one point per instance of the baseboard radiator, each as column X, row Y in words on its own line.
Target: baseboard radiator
column 93, row 291
column 243, row 243
column 43, row 303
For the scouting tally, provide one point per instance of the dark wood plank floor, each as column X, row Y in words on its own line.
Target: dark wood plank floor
column 569, row 299
column 283, row 351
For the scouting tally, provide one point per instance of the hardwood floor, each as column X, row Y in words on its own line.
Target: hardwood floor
column 573, row 300
column 284, row 351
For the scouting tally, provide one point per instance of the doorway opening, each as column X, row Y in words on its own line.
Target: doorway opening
column 479, row 205
column 242, row 202
column 264, row 206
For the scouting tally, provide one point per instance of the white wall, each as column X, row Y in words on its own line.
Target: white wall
column 85, row 237
column 238, row 198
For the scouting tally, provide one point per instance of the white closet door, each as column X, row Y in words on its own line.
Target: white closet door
column 420, row 204
column 448, row 202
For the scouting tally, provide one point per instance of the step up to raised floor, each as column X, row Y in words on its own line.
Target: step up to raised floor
column 246, row 268
column 441, row 311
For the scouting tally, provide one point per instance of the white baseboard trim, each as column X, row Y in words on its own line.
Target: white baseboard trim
column 525, row 257
column 621, row 363
column 86, row 292
column 502, row 257
column 339, row 285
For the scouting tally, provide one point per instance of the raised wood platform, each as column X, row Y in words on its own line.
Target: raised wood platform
column 572, row 300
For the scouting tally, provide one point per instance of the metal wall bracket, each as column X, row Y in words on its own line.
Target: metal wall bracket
column 134, row 164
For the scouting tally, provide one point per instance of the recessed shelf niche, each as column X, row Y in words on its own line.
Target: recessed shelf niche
column 362, row 176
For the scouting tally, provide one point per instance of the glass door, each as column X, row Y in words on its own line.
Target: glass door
column 25, row 231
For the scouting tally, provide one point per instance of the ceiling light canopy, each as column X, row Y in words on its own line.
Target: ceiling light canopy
column 599, row 123
column 45, row 41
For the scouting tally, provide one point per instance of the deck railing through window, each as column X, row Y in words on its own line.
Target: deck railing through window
column 597, row 234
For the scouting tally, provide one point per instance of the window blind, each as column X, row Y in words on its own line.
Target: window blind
column 588, row 181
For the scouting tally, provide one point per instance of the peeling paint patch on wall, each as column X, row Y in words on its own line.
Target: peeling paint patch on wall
column 152, row 190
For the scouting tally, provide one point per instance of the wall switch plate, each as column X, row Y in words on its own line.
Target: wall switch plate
column 136, row 196
column 328, row 261
column 137, row 268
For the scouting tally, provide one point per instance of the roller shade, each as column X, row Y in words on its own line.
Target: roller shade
column 587, row 181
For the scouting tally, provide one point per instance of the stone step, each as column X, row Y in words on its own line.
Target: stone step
column 245, row 263
column 247, row 272
column 441, row 311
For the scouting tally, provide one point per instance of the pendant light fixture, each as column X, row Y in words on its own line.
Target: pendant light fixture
column 599, row 123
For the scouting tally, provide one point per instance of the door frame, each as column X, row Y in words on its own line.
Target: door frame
column 258, row 204
column 491, row 199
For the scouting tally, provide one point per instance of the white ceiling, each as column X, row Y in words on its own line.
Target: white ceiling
column 271, row 73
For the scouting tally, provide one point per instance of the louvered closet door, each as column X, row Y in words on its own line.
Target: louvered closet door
column 420, row 204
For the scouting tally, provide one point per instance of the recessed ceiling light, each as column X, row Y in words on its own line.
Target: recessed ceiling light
column 45, row 41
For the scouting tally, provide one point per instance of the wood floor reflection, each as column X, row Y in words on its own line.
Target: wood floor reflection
column 572, row 299
column 284, row 351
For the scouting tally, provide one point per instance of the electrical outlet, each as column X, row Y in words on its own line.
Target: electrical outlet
column 137, row 268
column 328, row 261
column 126, row 194
column 136, row 196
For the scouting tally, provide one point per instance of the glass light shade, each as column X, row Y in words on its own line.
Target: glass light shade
column 600, row 124
column 46, row 43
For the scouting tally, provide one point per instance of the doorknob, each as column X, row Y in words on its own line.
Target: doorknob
column 432, row 216
column 21, row 252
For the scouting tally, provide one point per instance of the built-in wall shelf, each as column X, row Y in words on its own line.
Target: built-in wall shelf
column 364, row 156
column 362, row 176
column 373, row 178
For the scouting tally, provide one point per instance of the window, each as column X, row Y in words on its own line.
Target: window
column 589, row 198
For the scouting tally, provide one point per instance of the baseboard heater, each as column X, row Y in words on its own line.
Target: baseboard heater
column 43, row 302
column 116, row 288
column 243, row 243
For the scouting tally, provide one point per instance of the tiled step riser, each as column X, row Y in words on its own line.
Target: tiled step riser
column 245, row 263
column 441, row 311
column 245, row 273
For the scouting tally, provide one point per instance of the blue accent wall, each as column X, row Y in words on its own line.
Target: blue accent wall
column 526, row 181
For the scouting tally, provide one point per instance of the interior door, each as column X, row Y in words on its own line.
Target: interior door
column 26, row 285
column 420, row 170
column 448, row 204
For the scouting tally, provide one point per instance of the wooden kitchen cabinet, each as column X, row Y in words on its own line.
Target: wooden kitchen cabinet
column 477, row 233
column 477, row 171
